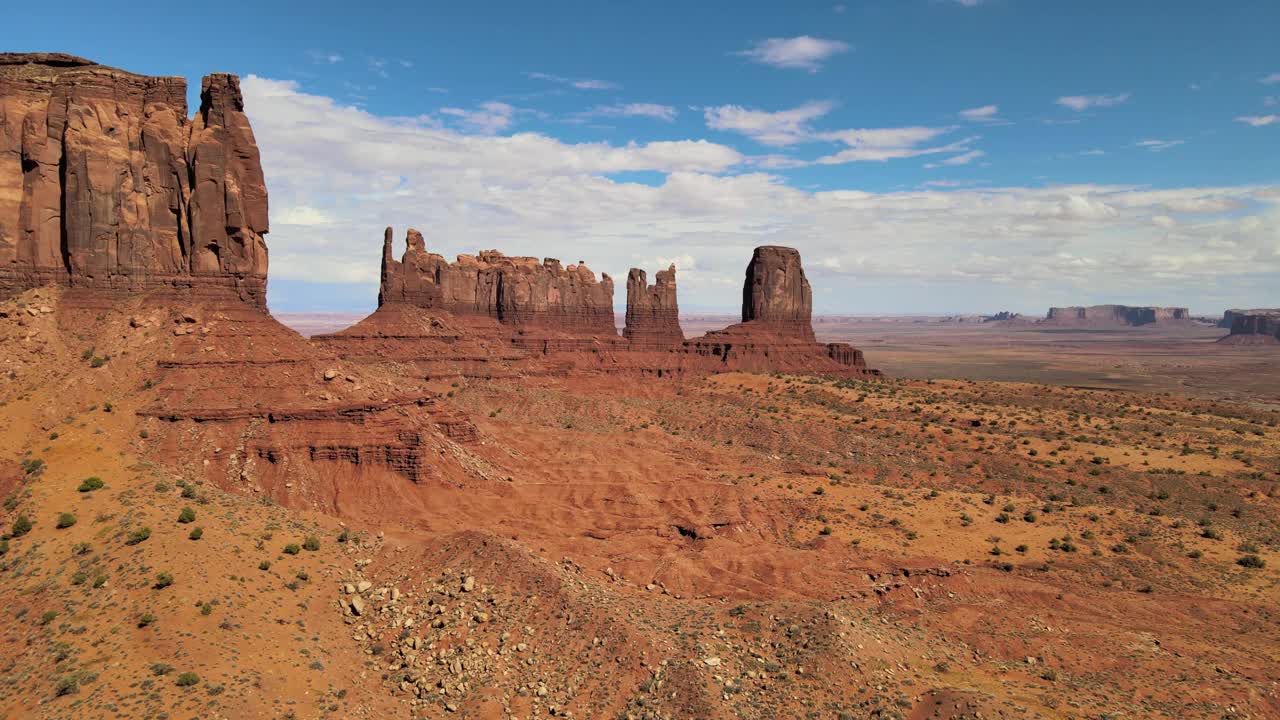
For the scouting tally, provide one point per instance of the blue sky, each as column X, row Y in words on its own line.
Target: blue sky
column 924, row 155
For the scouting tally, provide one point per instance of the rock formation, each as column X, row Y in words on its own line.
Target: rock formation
column 517, row 291
column 1253, row 327
column 1229, row 316
column 653, row 315
column 105, row 183
column 776, row 293
column 1115, row 315
column 776, row 332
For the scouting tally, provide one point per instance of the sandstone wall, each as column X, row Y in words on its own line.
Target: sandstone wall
column 653, row 315
column 516, row 291
column 105, row 182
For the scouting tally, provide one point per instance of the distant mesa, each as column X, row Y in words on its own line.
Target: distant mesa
column 106, row 184
column 1116, row 316
column 493, row 315
column 1252, row 327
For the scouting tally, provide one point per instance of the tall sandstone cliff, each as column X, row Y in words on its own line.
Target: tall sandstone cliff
column 516, row 291
column 653, row 314
column 776, row 293
column 106, row 183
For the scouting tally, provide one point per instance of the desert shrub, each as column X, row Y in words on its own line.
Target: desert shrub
column 196, row 534
column 138, row 535
column 292, row 549
column 48, row 617
column 146, row 619
column 264, row 565
column 161, row 669
column 826, row 530
column 163, row 580
column 4, row 546
column 90, row 484
column 344, row 535
column 66, row 520
column 21, row 526
column 188, row 491
column 187, row 679
column 311, row 543
column 1252, row 562
column 67, row 685
column 187, row 515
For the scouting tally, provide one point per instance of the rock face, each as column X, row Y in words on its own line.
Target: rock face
column 1115, row 315
column 653, row 315
column 776, row 293
column 105, row 182
column 516, row 291
column 1229, row 316
column 1253, row 327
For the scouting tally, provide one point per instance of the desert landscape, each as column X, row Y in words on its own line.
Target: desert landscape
column 495, row 497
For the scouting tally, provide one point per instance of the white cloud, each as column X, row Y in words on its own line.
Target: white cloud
column 1094, row 152
column 986, row 113
column 779, row 129
column 1259, row 120
column 882, row 144
column 491, row 118
column 1271, row 79
column 970, row 3
column 581, row 84
column 801, row 53
column 1084, row 102
column 964, row 159
column 1159, row 145
column 649, row 110
column 338, row 175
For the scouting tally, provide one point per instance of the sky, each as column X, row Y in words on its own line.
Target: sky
column 925, row 156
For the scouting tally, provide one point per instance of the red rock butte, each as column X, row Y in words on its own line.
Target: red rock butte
column 107, row 184
column 493, row 315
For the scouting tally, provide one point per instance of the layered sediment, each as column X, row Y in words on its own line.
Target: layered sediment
column 106, row 184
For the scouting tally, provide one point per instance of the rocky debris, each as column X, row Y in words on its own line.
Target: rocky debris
column 519, row 292
column 1115, row 315
column 653, row 315
column 105, row 183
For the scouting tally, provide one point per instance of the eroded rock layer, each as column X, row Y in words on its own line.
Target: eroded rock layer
column 653, row 315
column 777, row 294
column 1116, row 315
column 521, row 292
column 105, row 183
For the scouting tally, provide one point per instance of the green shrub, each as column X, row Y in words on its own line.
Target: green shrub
column 196, row 534
column 146, row 619
column 67, row 685
column 188, row 491
column 292, row 549
column 48, row 617
column 4, row 546
column 66, row 520
column 311, row 543
column 90, row 484
column 264, row 565
column 21, row 526
column 187, row 515
column 161, row 669
column 187, row 679
column 163, row 580
column 138, row 536
column 1252, row 562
